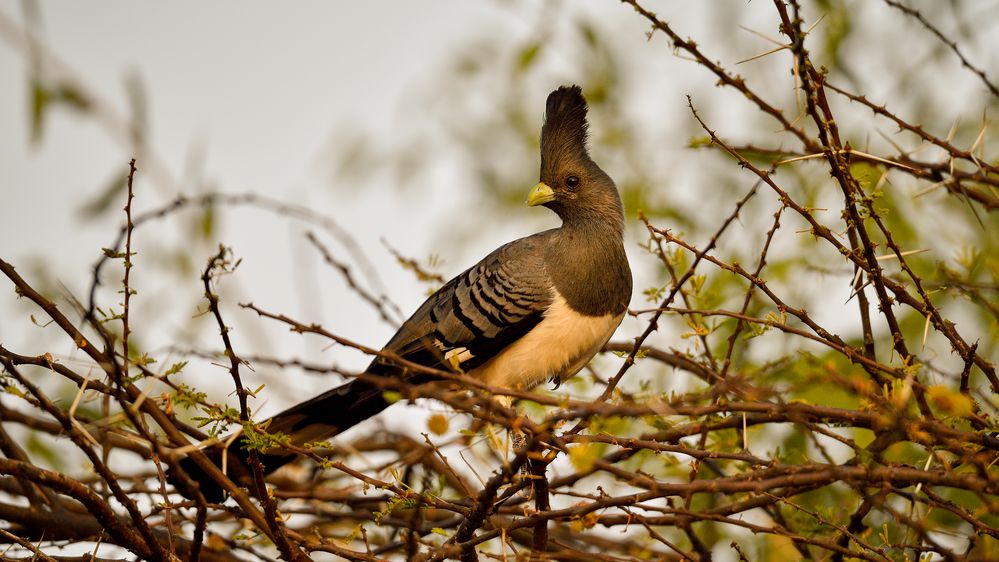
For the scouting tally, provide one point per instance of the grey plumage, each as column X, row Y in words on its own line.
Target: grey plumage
column 537, row 308
column 586, row 259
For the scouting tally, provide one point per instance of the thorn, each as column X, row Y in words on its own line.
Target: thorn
column 952, row 132
column 926, row 330
column 811, row 27
column 877, row 159
column 890, row 141
column 926, row 190
column 762, row 36
column 767, row 53
column 903, row 254
column 978, row 139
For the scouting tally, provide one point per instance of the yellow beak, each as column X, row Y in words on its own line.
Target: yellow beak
column 540, row 195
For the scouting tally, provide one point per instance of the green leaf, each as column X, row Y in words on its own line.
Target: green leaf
column 207, row 221
column 40, row 99
column 527, row 56
column 175, row 368
column 109, row 195
column 583, row 456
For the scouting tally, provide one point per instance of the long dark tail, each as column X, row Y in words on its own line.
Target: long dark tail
column 317, row 419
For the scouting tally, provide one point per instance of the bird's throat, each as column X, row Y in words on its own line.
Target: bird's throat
column 590, row 268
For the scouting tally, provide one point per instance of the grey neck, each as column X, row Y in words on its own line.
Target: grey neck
column 589, row 266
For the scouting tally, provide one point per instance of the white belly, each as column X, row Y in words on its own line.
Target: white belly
column 560, row 345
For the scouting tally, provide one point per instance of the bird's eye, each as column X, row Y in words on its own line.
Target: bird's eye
column 572, row 182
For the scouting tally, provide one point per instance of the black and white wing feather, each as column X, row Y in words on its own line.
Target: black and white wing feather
column 480, row 312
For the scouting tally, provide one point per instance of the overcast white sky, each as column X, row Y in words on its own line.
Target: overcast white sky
column 257, row 90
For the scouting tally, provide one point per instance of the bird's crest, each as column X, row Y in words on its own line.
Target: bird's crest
column 565, row 127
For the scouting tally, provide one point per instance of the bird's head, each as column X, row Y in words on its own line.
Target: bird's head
column 571, row 184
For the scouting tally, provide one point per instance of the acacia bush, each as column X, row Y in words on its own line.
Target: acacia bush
column 809, row 374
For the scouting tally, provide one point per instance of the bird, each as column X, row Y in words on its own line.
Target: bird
column 535, row 309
